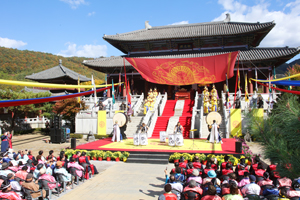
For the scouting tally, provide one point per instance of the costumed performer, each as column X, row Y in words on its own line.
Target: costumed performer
column 178, row 128
column 146, row 106
column 144, row 128
column 129, row 112
column 9, row 136
column 206, row 92
column 214, row 92
column 4, row 142
column 117, row 133
column 155, row 93
column 214, row 134
column 214, row 104
column 206, row 104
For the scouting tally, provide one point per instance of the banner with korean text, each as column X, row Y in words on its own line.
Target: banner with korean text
column 101, row 122
column 235, row 123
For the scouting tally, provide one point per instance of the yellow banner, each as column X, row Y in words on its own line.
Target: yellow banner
column 279, row 79
column 49, row 85
column 259, row 114
column 102, row 122
column 235, row 123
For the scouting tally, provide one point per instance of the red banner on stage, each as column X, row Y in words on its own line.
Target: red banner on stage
column 186, row 71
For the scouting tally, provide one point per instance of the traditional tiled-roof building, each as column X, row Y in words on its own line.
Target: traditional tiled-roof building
column 195, row 40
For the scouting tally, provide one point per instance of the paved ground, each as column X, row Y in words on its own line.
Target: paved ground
column 123, row 181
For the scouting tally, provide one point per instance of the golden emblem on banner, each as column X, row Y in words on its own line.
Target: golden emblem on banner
column 182, row 73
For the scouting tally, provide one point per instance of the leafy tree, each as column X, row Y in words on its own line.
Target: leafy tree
column 279, row 134
column 68, row 108
column 19, row 111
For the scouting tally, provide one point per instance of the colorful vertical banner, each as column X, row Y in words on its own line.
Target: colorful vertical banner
column 246, row 89
column 235, row 123
column 101, row 122
column 113, row 92
column 78, row 90
column 259, row 114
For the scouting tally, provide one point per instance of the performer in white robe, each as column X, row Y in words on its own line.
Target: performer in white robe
column 117, row 133
column 214, row 134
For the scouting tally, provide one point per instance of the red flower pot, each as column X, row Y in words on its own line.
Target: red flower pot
column 94, row 158
column 108, row 159
column 89, row 157
column 186, row 161
column 100, row 159
column 117, row 159
column 204, row 162
column 175, row 161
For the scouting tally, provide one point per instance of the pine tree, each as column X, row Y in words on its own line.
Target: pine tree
column 279, row 134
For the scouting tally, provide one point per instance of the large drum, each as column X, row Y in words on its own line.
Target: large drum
column 121, row 118
column 178, row 139
column 213, row 116
column 136, row 139
column 162, row 136
column 143, row 139
column 172, row 140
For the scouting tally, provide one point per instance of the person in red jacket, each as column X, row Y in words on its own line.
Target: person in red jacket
column 223, row 165
column 192, row 191
column 259, row 172
column 227, row 170
column 168, row 195
column 197, row 163
column 254, row 165
column 240, row 173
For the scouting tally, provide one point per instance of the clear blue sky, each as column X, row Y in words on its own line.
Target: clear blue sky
column 76, row 27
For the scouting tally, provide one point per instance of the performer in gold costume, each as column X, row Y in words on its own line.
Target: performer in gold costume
column 214, row 92
column 146, row 106
column 155, row 93
column 205, row 100
column 214, row 104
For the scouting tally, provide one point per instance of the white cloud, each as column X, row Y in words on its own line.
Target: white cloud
column 74, row 3
column 88, row 50
column 286, row 30
column 91, row 13
column 178, row 23
column 9, row 43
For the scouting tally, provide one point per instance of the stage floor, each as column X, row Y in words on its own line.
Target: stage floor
column 154, row 145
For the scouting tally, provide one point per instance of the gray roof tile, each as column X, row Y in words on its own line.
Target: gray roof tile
column 56, row 73
column 190, row 30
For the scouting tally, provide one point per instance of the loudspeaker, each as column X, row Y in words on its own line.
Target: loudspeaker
column 238, row 147
column 73, row 143
column 57, row 135
column 57, row 122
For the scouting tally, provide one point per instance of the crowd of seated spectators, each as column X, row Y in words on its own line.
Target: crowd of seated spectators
column 195, row 181
column 24, row 176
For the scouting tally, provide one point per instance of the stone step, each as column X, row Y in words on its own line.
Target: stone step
column 151, row 156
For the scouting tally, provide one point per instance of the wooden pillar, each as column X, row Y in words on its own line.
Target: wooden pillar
column 270, row 75
column 250, row 89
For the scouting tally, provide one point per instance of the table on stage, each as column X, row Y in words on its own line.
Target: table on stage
column 182, row 95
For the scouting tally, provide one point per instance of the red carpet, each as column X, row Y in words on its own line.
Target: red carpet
column 228, row 147
column 185, row 119
column 162, row 121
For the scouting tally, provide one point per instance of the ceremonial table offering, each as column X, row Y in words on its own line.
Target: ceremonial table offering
column 182, row 95
column 171, row 140
column 178, row 139
column 143, row 139
column 136, row 139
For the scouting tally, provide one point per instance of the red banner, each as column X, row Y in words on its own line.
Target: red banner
column 186, row 71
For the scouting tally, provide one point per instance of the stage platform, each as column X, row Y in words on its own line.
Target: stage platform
column 155, row 146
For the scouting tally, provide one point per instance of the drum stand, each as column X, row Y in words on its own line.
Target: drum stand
column 193, row 145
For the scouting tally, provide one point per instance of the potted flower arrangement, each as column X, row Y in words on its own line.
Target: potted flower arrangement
column 174, row 157
column 124, row 156
column 220, row 159
column 99, row 155
column 187, row 157
column 116, row 155
column 107, row 155
column 93, row 154
column 69, row 153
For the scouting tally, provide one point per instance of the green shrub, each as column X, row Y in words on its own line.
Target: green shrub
column 77, row 136
column 101, row 136
column 23, row 132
